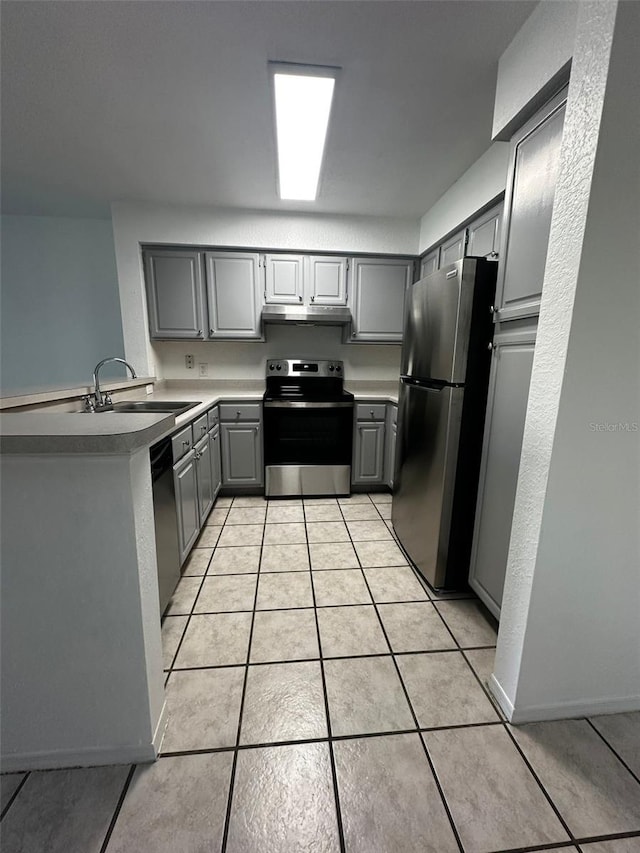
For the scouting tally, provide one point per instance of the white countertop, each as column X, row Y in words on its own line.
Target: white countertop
column 36, row 431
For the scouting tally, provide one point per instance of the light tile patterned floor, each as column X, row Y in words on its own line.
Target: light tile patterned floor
column 321, row 699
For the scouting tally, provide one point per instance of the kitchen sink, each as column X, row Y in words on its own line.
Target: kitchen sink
column 176, row 407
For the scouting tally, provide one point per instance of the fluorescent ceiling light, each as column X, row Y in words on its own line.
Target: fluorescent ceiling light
column 303, row 96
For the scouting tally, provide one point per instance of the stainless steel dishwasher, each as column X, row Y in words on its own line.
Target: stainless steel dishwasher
column 164, row 510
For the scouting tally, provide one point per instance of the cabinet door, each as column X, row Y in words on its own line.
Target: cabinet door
column 533, row 172
column 284, row 278
column 377, row 293
column 390, row 444
column 204, row 474
column 242, row 454
column 504, row 427
column 186, row 489
column 175, row 294
column 234, row 295
column 368, row 453
column 484, row 234
column 429, row 263
column 327, row 280
column 216, row 465
column 453, row 249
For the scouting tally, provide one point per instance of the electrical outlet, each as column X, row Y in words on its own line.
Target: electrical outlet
column 188, row 361
column 203, row 368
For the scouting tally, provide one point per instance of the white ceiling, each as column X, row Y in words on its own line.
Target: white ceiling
column 169, row 101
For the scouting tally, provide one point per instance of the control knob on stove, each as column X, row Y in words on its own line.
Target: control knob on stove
column 338, row 368
column 278, row 367
column 331, row 368
column 272, row 366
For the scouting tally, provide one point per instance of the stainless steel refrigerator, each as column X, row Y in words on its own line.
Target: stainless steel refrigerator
column 446, row 356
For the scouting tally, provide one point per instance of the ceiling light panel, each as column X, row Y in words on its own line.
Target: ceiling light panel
column 303, row 95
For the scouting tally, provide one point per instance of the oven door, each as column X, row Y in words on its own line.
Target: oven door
column 307, row 447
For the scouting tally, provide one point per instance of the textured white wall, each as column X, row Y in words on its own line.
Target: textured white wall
column 536, row 57
column 479, row 185
column 134, row 224
column 82, row 675
column 570, row 635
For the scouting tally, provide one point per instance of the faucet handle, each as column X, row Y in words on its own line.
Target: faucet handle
column 89, row 403
column 106, row 400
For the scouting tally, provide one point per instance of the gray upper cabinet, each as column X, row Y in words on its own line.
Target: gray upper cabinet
column 376, row 297
column 234, row 295
column 533, row 172
column 430, row 263
column 504, row 427
column 484, row 234
column 175, row 294
column 453, row 249
column 284, row 282
column 326, row 279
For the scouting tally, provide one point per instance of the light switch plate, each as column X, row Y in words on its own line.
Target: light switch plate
column 203, row 368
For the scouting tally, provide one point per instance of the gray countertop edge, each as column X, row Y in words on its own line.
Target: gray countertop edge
column 42, row 433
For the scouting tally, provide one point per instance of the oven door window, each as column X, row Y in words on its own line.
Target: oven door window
column 308, row 436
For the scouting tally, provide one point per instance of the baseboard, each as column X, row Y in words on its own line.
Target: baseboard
column 561, row 710
column 500, row 696
column 160, row 729
column 58, row 759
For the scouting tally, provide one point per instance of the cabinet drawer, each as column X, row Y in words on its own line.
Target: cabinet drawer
column 213, row 417
column 371, row 411
column 200, row 427
column 241, row 411
column 181, row 443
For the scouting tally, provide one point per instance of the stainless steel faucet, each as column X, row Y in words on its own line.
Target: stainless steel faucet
column 99, row 401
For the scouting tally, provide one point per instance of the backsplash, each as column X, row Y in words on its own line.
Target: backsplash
column 246, row 360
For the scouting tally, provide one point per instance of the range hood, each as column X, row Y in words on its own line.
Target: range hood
column 318, row 315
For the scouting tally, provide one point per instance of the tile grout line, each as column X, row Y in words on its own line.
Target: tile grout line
column 411, row 709
column 13, row 797
column 234, row 763
column 614, row 751
column 116, row 813
column 332, row 760
column 510, row 735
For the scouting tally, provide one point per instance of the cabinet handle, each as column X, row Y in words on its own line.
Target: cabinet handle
column 211, row 333
column 203, row 429
column 494, row 310
column 186, row 444
column 371, row 412
column 313, row 299
column 199, row 333
column 299, row 298
column 489, row 346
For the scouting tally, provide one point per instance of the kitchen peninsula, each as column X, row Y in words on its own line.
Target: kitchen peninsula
column 82, row 664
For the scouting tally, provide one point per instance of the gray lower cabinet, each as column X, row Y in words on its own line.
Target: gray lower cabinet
column 376, row 298
column 390, row 444
column 368, row 453
column 242, row 454
column 234, row 295
column 204, row 479
column 216, row 462
column 504, row 427
column 186, row 491
column 531, row 183
column 175, row 294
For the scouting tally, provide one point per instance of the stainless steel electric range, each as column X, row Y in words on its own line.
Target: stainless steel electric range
column 308, row 429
